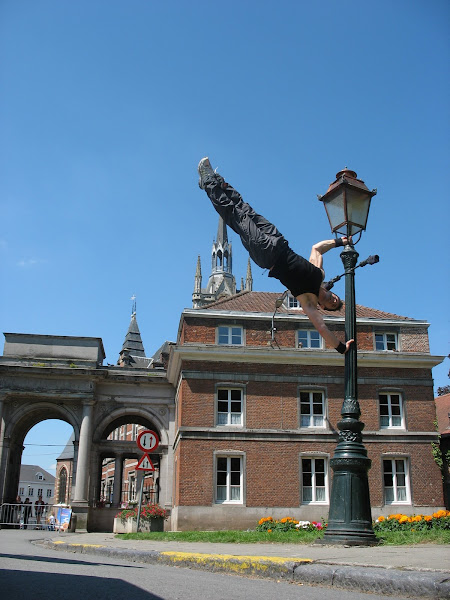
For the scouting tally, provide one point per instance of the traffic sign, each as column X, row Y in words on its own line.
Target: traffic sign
column 147, row 441
column 145, row 464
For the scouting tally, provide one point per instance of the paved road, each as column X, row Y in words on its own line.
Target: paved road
column 29, row 572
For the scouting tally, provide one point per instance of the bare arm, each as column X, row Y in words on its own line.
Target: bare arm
column 319, row 249
column 309, row 306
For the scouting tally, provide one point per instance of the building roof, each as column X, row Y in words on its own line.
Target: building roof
column 133, row 341
column 443, row 413
column 28, row 474
column 67, row 453
column 264, row 302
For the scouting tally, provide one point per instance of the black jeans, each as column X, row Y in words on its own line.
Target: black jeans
column 260, row 238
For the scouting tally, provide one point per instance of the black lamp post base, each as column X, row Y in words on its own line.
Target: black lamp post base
column 350, row 518
column 347, row 539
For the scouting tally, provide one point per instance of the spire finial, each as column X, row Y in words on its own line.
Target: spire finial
column 133, row 306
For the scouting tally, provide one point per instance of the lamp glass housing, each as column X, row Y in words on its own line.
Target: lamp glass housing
column 347, row 209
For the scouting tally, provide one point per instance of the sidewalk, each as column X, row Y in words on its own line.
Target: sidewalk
column 412, row 571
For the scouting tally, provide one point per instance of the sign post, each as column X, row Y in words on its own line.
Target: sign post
column 147, row 441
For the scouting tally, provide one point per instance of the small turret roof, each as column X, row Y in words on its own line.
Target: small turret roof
column 133, row 341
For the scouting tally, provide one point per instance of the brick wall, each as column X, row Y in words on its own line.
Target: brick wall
column 272, row 473
column 258, row 333
column 275, row 404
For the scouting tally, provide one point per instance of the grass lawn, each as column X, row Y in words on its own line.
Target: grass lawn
column 389, row 538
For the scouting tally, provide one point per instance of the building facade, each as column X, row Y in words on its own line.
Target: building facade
column 258, row 398
column 35, row 481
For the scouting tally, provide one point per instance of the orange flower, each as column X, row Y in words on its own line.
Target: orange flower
column 269, row 531
column 381, row 519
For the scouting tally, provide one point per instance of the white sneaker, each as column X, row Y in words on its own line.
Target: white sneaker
column 205, row 171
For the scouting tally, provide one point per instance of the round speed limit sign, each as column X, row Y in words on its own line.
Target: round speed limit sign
column 147, row 440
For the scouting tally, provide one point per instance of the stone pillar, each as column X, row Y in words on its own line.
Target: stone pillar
column 82, row 474
column 117, row 490
column 2, row 399
column 2, row 449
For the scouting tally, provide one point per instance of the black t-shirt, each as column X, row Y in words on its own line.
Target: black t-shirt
column 297, row 274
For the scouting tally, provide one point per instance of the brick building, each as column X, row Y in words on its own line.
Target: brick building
column 443, row 426
column 258, row 397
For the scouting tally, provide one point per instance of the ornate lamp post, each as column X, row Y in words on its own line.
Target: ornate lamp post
column 347, row 202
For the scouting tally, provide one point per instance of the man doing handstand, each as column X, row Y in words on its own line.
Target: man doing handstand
column 270, row 250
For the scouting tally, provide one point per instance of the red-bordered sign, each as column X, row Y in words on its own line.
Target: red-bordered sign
column 145, row 463
column 147, row 441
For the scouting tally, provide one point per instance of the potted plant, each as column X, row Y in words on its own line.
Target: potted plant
column 151, row 519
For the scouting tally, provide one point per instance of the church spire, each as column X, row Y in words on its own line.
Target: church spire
column 132, row 345
column 198, row 277
column 221, row 251
column 222, row 233
column 249, row 278
column 221, row 281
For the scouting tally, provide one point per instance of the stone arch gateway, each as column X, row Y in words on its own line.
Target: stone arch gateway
column 44, row 377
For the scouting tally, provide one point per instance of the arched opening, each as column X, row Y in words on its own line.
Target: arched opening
column 219, row 260
column 32, row 443
column 121, row 482
column 62, row 486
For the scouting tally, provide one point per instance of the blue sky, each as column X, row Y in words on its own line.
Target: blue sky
column 106, row 106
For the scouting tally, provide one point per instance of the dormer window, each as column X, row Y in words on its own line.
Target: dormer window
column 230, row 335
column 292, row 302
column 386, row 341
column 309, row 338
column 39, row 476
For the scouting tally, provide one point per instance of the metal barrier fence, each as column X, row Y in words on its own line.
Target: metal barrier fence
column 27, row 516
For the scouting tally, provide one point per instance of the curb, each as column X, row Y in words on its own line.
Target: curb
column 383, row 581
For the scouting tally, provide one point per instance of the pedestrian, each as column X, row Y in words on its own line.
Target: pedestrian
column 17, row 510
column 27, row 508
column 51, row 522
column 270, row 250
column 38, row 509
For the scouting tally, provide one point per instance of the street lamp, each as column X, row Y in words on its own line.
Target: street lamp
column 347, row 202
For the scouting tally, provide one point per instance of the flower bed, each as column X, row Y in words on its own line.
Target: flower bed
column 287, row 524
column 398, row 522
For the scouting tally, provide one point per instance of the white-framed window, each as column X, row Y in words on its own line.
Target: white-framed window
column 30, row 491
column 229, row 406
column 229, row 480
column 230, row 335
column 132, row 488
column 49, row 493
column 21, row 491
column 386, row 341
column 40, row 492
column 396, row 481
column 292, row 301
column 309, row 338
column 312, row 408
column 39, row 476
column 122, row 432
column 391, row 410
column 314, row 480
